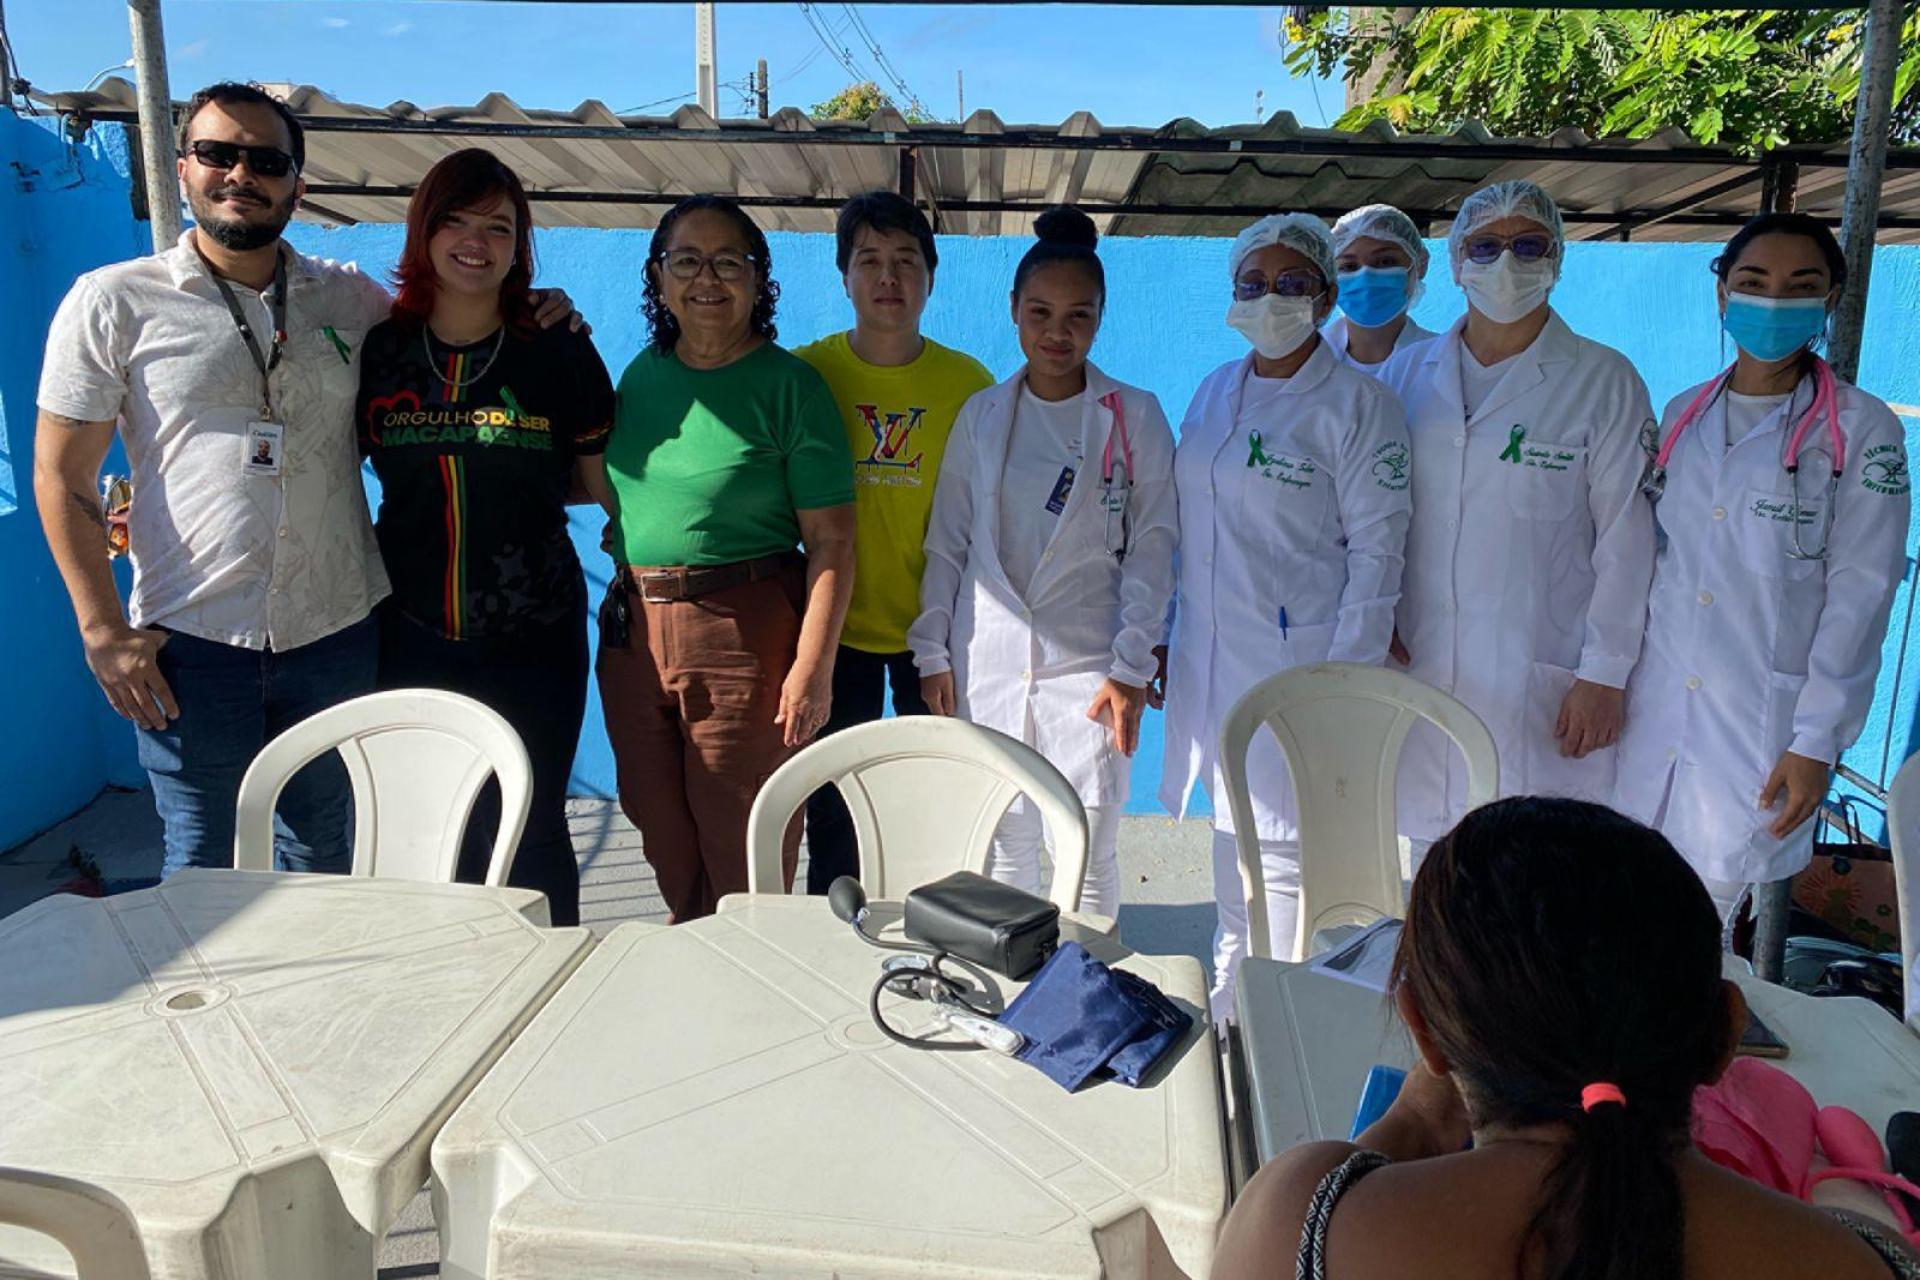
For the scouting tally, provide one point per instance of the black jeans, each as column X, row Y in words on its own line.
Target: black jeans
column 860, row 681
column 539, row 684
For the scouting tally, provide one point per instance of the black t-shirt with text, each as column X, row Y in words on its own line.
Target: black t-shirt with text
column 475, row 463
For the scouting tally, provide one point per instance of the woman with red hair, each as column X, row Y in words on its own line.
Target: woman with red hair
column 481, row 425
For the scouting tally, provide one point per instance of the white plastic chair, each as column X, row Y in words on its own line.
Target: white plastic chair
column 1903, row 814
column 1341, row 726
column 92, row 1224
column 925, row 793
column 417, row 759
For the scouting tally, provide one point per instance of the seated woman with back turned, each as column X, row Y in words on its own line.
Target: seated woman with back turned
column 1560, row 975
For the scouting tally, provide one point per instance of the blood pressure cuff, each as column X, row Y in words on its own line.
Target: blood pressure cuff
column 1082, row 1021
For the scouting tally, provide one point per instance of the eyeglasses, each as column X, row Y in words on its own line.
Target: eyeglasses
column 1288, row 284
column 687, row 264
column 267, row 162
column 1530, row 247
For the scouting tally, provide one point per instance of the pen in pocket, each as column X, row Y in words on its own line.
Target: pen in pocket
column 1283, row 622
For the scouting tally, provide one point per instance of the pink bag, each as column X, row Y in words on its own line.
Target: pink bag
column 1763, row 1124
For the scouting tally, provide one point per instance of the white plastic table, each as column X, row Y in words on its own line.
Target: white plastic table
column 257, row 1062
column 713, row 1099
column 1309, row 1041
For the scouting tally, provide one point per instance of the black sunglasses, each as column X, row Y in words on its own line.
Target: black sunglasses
column 267, row 162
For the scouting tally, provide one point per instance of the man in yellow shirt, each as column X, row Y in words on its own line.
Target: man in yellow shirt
column 898, row 393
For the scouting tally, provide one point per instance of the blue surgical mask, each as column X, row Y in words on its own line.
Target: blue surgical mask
column 1373, row 296
column 1773, row 328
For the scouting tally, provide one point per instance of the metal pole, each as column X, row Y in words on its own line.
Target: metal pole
column 706, row 81
column 1866, row 169
column 157, row 166
column 760, row 86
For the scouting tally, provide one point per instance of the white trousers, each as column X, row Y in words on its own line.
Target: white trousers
column 1017, row 841
column 1280, row 868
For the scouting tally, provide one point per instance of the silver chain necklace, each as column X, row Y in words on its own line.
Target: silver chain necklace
column 426, row 345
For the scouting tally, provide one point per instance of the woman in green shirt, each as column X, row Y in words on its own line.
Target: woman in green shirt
column 718, row 636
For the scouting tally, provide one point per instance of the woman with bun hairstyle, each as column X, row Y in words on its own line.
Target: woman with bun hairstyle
column 1050, row 557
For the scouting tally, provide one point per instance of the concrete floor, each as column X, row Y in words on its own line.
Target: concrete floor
column 1166, row 892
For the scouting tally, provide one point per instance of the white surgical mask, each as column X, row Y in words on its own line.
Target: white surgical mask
column 1507, row 289
column 1273, row 324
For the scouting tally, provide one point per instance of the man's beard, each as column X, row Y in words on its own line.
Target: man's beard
column 238, row 234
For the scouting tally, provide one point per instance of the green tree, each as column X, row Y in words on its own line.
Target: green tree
column 860, row 101
column 1748, row 79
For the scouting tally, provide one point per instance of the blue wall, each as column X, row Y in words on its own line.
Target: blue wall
column 1164, row 330
column 63, row 210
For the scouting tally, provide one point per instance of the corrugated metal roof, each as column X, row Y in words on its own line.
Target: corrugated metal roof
column 592, row 167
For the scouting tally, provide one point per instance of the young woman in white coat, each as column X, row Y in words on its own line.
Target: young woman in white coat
column 1382, row 261
column 1050, row 557
column 1532, row 545
column 1292, row 472
column 1782, row 500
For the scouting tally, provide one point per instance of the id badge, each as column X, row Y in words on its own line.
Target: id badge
column 1057, row 501
column 263, row 442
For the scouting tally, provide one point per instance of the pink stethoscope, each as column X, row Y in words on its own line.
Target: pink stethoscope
column 1116, row 498
column 1825, row 401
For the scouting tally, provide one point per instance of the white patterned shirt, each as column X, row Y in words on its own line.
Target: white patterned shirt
column 260, row 561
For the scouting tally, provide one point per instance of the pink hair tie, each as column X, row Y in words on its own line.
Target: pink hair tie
column 1595, row 1094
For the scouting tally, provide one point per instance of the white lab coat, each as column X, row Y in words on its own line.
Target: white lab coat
column 1030, row 666
column 1314, row 521
column 1335, row 333
column 1750, row 652
column 1528, row 559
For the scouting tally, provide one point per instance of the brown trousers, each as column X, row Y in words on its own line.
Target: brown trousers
column 689, row 705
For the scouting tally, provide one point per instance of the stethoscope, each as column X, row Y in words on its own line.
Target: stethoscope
column 1825, row 401
column 1116, row 498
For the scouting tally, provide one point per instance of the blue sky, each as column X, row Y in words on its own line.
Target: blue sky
column 1130, row 65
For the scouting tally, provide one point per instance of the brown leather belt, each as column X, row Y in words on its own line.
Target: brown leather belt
column 668, row 584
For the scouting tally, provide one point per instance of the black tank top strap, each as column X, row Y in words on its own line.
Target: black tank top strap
column 1311, row 1262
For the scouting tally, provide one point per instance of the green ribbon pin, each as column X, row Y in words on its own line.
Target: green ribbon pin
column 1512, row 452
column 1256, row 453
column 513, row 405
column 339, row 344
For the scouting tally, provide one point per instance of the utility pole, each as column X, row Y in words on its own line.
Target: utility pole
column 706, row 81
column 760, row 86
column 1866, row 170
column 960, row 90
column 156, row 124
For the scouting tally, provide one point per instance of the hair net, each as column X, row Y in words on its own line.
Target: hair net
column 1382, row 222
column 1515, row 199
column 1301, row 232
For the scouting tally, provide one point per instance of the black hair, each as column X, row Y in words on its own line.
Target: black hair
column 232, row 93
column 1785, row 224
column 1065, row 235
column 1552, row 944
column 882, row 211
column 663, row 331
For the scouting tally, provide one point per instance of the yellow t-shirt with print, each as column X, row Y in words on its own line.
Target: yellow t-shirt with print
column 897, row 420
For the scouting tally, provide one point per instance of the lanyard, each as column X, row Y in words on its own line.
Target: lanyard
column 267, row 363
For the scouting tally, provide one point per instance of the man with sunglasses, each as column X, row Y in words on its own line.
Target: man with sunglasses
column 229, row 365
column 1531, row 548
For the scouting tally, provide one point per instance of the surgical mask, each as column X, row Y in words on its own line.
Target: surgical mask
column 1507, row 289
column 1773, row 328
column 1373, row 296
column 1273, row 324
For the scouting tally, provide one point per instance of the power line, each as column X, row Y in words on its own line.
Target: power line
column 841, row 54
column 908, row 97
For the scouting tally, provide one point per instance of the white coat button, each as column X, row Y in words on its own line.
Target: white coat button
column 1208, row 557
column 273, row 591
column 1719, row 513
column 1693, row 682
column 1459, row 442
column 1453, row 524
column 283, row 531
column 1671, row 753
column 1706, row 597
column 1026, row 677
